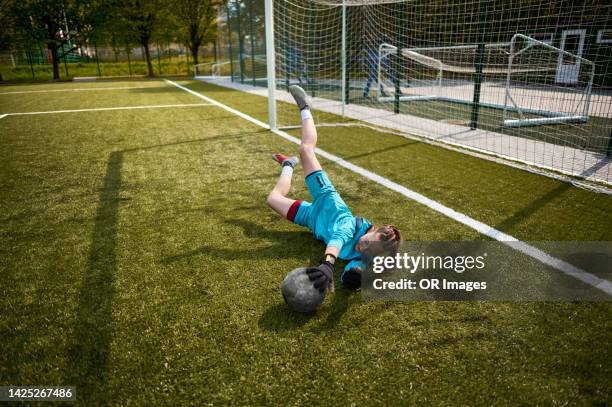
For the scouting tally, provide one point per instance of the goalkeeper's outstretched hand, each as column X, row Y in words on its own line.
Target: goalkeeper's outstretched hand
column 321, row 276
column 351, row 279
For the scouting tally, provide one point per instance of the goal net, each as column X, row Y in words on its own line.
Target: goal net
column 513, row 79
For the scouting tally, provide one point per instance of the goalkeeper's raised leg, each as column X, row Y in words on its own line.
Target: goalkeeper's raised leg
column 277, row 199
column 308, row 158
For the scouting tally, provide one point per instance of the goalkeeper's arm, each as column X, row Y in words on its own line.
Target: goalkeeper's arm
column 322, row 276
column 333, row 250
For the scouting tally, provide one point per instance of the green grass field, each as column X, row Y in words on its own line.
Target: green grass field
column 140, row 264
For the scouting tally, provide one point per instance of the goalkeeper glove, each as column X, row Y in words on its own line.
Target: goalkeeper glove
column 351, row 279
column 321, row 276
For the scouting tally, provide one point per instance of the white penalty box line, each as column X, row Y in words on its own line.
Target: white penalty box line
column 101, row 109
column 532, row 251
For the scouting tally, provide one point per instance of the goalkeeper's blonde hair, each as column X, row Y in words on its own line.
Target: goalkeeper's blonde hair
column 391, row 238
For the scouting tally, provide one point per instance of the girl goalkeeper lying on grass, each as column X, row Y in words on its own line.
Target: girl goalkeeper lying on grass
column 347, row 237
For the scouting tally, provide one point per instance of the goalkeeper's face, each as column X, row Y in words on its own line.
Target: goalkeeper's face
column 368, row 242
column 385, row 239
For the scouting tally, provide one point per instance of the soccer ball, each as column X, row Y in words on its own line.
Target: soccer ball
column 299, row 293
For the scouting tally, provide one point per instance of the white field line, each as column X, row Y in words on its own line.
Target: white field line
column 2, row 116
column 74, row 89
column 101, row 109
column 564, row 267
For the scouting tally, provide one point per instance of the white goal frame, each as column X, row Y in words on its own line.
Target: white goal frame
column 509, row 105
column 554, row 117
column 213, row 67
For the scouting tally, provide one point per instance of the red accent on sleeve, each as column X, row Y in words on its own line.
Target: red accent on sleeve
column 293, row 210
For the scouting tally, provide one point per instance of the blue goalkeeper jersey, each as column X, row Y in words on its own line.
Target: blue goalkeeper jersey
column 329, row 218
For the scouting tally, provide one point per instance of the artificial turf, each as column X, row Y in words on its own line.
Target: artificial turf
column 140, row 263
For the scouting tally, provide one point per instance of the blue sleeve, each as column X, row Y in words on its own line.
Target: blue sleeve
column 344, row 230
column 354, row 264
column 351, row 278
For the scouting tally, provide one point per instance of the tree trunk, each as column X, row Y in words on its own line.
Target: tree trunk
column 194, row 53
column 114, row 42
column 53, row 49
column 148, row 57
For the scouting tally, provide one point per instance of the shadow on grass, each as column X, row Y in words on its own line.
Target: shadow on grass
column 257, row 253
column 88, row 356
column 198, row 140
column 339, row 306
column 534, row 206
column 379, row 151
column 546, row 198
column 279, row 318
column 285, row 244
column 282, row 238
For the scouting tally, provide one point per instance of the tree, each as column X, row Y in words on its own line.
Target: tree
column 41, row 21
column 197, row 23
column 7, row 34
column 143, row 17
column 55, row 23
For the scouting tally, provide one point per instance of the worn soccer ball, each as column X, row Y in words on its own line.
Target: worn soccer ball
column 299, row 293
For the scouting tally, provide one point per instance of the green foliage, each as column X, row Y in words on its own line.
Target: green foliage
column 196, row 20
column 140, row 18
column 9, row 40
column 58, row 24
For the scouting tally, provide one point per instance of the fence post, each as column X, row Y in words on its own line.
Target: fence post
column 29, row 57
column 479, row 59
column 97, row 58
column 397, row 59
column 311, row 28
column 285, row 44
column 252, row 40
column 65, row 63
column 127, row 49
column 343, row 57
column 229, row 39
column 240, row 42
column 216, row 51
column 158, row 59
column 347, row 57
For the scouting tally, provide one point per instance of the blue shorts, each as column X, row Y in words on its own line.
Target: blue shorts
column 321, row 189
